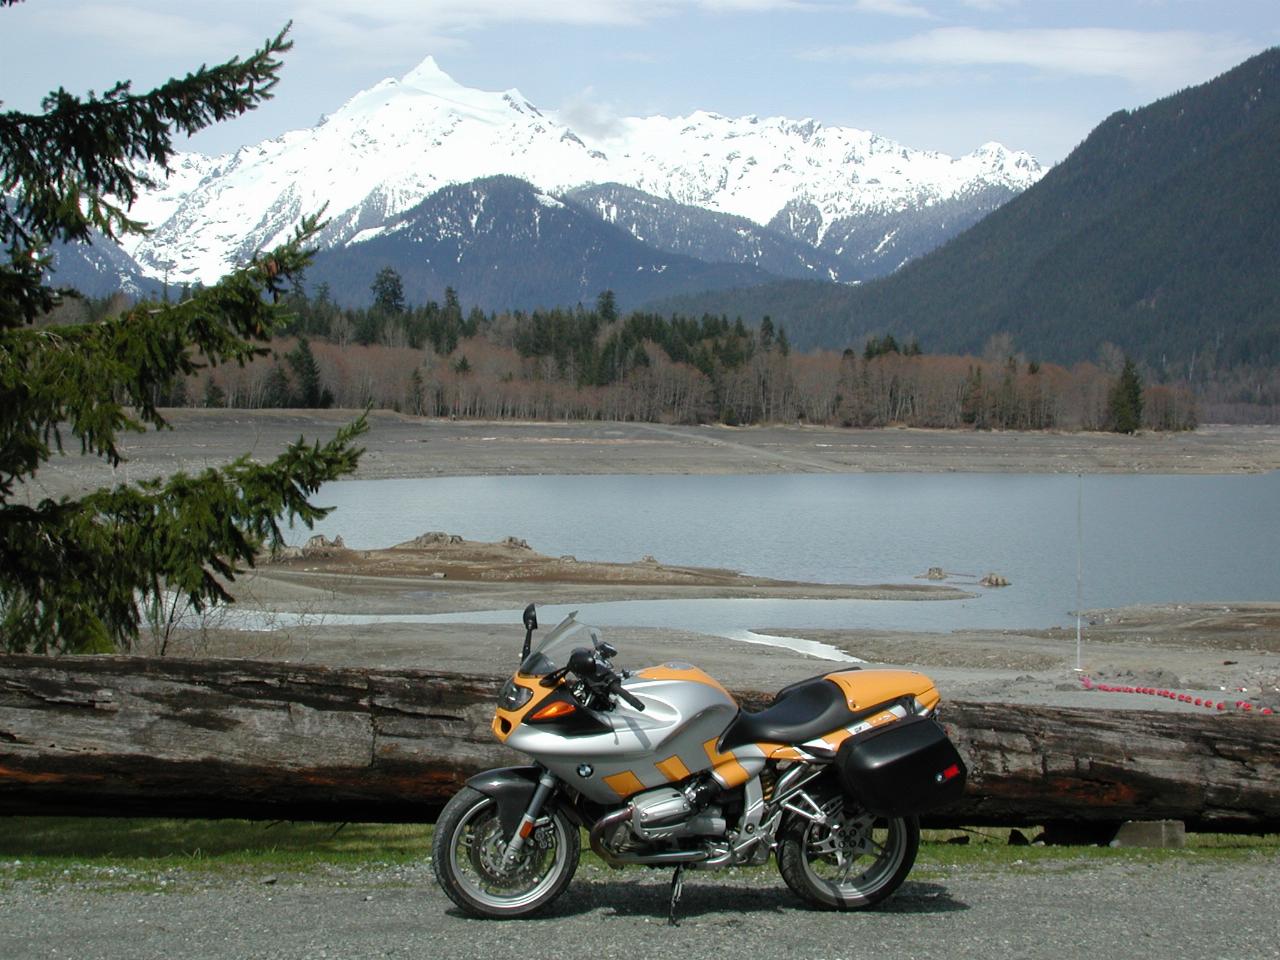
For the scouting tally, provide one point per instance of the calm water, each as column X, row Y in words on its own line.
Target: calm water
column 1145, row 538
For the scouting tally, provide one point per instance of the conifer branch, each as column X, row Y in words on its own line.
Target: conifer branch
column 76, row 574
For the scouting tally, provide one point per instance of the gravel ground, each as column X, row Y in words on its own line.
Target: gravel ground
column 1184, row 905
column 402, row 446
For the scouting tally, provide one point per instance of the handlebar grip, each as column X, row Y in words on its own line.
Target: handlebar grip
column 616, row 687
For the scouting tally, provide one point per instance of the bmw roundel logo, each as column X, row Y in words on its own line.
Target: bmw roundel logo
column 585, row 770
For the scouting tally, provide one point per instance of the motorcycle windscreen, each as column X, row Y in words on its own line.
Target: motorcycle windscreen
column 902, row 769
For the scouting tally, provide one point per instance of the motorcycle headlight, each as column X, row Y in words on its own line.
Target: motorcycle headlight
column 513, row 696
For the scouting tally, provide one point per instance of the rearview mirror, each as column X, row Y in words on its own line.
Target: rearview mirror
column 583, row 662
column 530, row 625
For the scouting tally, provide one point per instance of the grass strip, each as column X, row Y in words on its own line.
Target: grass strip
column 159, row 854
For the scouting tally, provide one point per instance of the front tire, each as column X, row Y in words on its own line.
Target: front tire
column 467, row 850
column 852, row 862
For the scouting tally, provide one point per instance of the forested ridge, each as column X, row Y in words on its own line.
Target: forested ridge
column 445, row 359
column 1159, row 233
column 507, row 245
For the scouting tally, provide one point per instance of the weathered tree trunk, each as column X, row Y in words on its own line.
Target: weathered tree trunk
column 126, row 735
column 1041, row 764
column 237, row 738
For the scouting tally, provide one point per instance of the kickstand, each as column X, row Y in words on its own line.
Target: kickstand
column 677, row 886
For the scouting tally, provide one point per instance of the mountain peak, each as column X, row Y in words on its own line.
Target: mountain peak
column 395, row 144
column 428, row 77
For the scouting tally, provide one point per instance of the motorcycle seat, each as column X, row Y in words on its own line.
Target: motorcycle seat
column 802, row 711
column 791, row 688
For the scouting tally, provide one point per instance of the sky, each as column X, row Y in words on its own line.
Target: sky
column 945, row 75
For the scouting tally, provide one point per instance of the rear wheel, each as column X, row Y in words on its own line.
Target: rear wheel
column 467, row 854
column 852, row 861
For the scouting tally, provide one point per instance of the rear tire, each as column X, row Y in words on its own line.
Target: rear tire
column 467, row 850
column 853, row 862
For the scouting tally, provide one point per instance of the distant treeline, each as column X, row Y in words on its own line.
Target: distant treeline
column 442, row 360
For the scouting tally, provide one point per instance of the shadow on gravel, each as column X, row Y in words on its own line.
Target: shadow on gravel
column 725, row 902
column 922, row 897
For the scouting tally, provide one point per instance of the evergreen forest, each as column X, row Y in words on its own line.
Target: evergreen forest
column 445, row 359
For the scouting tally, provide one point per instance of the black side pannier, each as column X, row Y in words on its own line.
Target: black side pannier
column 901, row 769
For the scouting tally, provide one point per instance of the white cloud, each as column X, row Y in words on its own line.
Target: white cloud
column 634, row 56
column 990, row 6
column 372, row 28
column 915, row 80
column 893, row 8
column 364, row 30
column 370, row 43
column 139, row 28
column 587, row 114
column 1150, row 60
column 448, row 15
column 747, row 6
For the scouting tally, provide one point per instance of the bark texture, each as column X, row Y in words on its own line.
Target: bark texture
column 142, row 736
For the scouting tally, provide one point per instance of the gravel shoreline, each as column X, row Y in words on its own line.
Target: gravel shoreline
column 400, row 446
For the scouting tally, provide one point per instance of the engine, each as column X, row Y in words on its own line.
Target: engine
column 667, row 814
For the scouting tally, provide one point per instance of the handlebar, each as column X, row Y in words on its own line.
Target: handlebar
column 616, row 688
column 593, row 668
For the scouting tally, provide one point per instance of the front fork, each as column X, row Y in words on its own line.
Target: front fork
column 546, row 784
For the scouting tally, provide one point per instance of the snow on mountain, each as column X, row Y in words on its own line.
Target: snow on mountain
column 391, row 146
column 97, row 268
column 708, row 235
column 552, row 253
column 754, row 167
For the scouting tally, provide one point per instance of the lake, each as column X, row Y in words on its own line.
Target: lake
column 1146, row 538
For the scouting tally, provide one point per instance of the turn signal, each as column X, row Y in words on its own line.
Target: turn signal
column 554, row 711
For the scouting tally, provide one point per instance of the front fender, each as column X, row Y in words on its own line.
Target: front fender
column 512, row 788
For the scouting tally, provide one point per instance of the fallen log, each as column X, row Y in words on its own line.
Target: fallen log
column 259, row 739
column 1049, row 764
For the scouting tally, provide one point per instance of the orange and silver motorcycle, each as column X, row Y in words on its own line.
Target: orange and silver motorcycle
column 662, row 768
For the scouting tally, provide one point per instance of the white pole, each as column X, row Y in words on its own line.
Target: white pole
column 1079, row 563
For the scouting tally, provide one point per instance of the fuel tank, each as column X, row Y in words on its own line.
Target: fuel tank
column 685, row 711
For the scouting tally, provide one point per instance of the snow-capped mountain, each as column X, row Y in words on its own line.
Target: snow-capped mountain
column 705, row 234
column 554, row 253
column 874, row 243
column 98, row 269
column 755, row 167
column 394, row 145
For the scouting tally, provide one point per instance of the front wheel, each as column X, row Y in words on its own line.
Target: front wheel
column 467, row 854
column 851, row 861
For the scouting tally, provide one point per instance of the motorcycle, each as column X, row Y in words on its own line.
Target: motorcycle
column 662, row 768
